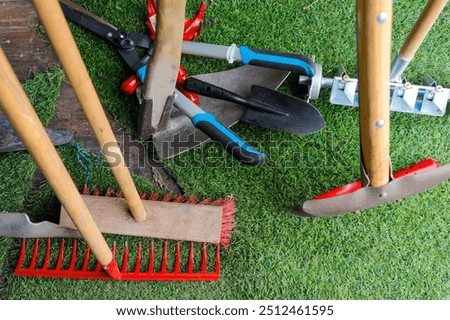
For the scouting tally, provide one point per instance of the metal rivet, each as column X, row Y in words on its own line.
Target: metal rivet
column 383, row 195
column 382, row 17
column 109, row 34
column 380, row 123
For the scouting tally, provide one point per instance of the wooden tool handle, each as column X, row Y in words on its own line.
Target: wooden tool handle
column 25, row 121
column 165, row 62
column 66, row 49
column 421, row 28
column 374, row 20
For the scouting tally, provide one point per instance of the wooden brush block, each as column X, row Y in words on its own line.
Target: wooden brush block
column 165, row 220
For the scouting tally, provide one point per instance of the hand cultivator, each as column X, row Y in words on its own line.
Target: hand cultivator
column 378, row 185
column 426, row 99
column 25, row 121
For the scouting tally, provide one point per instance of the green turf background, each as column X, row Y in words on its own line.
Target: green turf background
column 397, row 251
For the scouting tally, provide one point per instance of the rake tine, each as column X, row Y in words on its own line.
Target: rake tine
column 86, row 259
column 204, row 258
column 177, row 258
column 35, row 254
column 217, row 266
column 47, row 254
column 191, row 258
column 164, row 258
column 73, row 258
column 137, row 266
column 151, row 258
column 60, row 258
column 125, row 258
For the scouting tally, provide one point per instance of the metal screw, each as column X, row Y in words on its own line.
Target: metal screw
column 304, row 80
column 109, row 34
column 341, row 85
column 383, row 195
column 380, row 123
column 382, row 17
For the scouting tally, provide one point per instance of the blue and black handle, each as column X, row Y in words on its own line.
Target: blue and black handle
column 208, row 124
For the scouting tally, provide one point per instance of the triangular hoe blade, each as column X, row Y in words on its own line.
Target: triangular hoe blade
column 368, row 197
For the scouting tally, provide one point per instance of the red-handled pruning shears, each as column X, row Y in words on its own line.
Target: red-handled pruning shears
column 126, row 43
column 192, row 29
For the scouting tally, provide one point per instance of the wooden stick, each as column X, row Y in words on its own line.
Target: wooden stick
column 421, row 28
column 164, row 64
column 25, row 121
column 66, row 49
column 374, row 20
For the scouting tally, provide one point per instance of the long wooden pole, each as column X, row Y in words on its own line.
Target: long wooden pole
column 66, row 49
column 374, row 21
column 27, row 125
column 421, row 28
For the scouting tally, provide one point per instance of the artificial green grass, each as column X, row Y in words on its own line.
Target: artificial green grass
column 396, row 251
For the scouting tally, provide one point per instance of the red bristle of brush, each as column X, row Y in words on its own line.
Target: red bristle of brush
column 228, row 208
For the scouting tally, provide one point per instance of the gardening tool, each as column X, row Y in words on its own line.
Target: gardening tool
column 256, row 57
column 18, row 225
column 180, row 218
column 266, row 107
column 25, row 121
column 426, row 99
column 179, row 134
column 158, row 92
column 415, row 38
column 378, row 185
column 9, row 141
column 66, row 49
column 161, row 74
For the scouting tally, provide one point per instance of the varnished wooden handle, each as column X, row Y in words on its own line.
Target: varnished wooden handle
column 27, row 125
column 374, row 21
column 165, row 61
column 66, row 49
column 421, row 28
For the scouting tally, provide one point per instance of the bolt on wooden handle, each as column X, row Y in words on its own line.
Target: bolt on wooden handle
column 66, row 49
column 421, row 28
column 374, row 20
column 26, row 123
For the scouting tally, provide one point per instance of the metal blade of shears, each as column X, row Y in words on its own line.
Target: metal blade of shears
column 125, row 41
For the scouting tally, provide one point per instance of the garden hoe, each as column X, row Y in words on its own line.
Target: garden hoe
column 176, row 216
column 426, row 99
column 378, row 185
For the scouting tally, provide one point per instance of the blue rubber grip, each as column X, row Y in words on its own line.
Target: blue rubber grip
column 234, row 145
column 278, row 60
column 141, row 73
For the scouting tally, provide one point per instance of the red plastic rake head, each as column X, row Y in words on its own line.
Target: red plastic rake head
column 138, row 273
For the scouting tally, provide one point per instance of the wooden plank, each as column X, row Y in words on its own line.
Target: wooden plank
column 165, row 220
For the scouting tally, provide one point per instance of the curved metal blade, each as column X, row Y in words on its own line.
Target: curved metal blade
column 18, row 225
column 370, row 197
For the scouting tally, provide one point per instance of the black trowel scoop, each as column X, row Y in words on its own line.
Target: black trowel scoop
column 267, row 108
